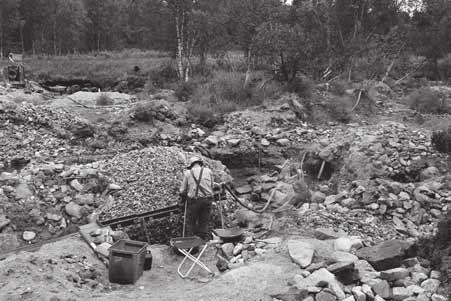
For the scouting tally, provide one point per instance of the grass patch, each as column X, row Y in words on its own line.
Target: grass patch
column 104, row 100
column 107, row 68
column 441, row 140
column 225, row 92
column 426, row 101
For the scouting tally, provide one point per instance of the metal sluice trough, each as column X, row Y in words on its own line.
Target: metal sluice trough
column 144, row 216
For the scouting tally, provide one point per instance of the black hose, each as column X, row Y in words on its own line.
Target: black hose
column 236, row 199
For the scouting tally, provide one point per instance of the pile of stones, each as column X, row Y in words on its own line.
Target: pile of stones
column 334, row 266
column 47, row 200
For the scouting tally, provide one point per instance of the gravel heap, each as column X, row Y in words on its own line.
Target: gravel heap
column 150, row 179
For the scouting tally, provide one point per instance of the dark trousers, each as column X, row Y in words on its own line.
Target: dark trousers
column 198, row 216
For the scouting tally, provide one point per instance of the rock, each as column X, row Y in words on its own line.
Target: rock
column 329, row 233
column 325, row 296
column 410, row 262
column 422, row 297
column 394, row 274
column 415, row 290
column 430, row 285
column 265, row 142
column 418, row 277
column 227, row 248
column 76, row 185
column 28, row 235
column 3, row 222
column 211, row 140
column 8, row 242
column 114, row 187
column 344, row 271
column 366, row 289
column 434, row 274
column 283, row 142
column 326, row 154
column 318, row 197
column 222, row 264
column 293, row 294
column 339, row 256
column 300, row 252
column 386, row 255
column 246, row 189
column 429, row 173
column 234, row 142
column 358, row 294
column 343, row 244
column 237, row 249
column 365, row 271
column 350, row 298
column 380, row 287
column 322, row 276
column 23, row 192
column 73, row 210
column 436, row 297
column 378, row 298
column 53, row 216
column 84, row 199
column 400, row 293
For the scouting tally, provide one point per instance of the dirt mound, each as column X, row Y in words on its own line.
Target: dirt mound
column 58, row 271
column 149, row 179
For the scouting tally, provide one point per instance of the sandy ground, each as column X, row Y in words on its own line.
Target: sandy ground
column 43, row 275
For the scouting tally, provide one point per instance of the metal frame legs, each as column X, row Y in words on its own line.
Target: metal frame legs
column 195, row 260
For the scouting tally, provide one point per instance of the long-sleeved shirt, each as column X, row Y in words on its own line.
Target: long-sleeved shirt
column 188, row 186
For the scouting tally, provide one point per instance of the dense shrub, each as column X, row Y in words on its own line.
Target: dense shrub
column 425, row 100
column 185, row 90
column 203, row 115
column 144, row 112
column 104, row 100
column 165, row 75
column 340, row 109
column 302, row 86
column 444, row 66
column 441, row 140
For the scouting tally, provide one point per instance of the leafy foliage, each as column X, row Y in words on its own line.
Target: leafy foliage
column 441, row 140
column 425, row 100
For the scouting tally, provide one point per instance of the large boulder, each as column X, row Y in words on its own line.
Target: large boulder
column 301, row 252
column 321, row 277
column 386, row 255
column 329, row 233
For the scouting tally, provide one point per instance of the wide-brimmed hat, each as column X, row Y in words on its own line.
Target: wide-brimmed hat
column 194, row 160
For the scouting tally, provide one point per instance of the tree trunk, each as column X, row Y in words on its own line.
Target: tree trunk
column 179, row 54
column 22, row 39
column 249, row 69
column 1, row 45
column 55, row 50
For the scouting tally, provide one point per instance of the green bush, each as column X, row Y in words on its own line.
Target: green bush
column 104, row 100
column 203, row 115
column 425, row 100
column 185, row 90
column 302, row 86
column 144, row 112
column 441, row 140
column 340, row 109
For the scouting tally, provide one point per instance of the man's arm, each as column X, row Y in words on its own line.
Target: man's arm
column 184, row 186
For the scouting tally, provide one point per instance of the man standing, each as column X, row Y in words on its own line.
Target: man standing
column 197, row 190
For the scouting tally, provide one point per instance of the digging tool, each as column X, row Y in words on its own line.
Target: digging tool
column 184, row 219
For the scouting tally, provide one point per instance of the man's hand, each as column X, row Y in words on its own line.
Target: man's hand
column 182, row 200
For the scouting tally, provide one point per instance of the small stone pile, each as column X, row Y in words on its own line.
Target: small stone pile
column 337, row 267
column 48, row 200
column 38, row 133
column 149, row 179
column 236, row 254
